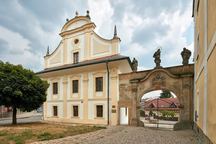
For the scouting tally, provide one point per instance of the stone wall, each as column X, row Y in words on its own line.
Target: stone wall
column 178, row 79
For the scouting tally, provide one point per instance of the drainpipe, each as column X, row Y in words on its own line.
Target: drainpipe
column 108, row 111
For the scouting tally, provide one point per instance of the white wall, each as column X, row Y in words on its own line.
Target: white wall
column 70, row 109
column 50, row 109
column 92, row 109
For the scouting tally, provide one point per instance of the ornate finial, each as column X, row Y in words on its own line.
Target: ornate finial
column 157, row 58
column 134, row 65
column 87, row 14
column 186, row 53
column 77, row 13
column 115, row 32
column 67, row 20
column 47, row 51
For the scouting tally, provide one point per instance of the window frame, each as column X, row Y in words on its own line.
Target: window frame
column 99, row 114
column 55, row 88
column 75, row 57
column 55, row 111
column 99, row 84
column 77, row 112
column 75, row 89
column 197, row 50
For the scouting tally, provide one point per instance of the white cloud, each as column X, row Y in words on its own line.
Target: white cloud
column 156, row 24
column 152, row 94
column 17, row 44
column 155, row 94
column 101, row 14
column 135, row 50
column 175, row 40
column 18, row 49
column 142, row 68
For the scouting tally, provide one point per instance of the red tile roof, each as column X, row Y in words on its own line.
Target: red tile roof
column 161, row 103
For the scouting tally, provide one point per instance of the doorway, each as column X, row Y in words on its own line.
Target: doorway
column 124, row 115
column 159, row 109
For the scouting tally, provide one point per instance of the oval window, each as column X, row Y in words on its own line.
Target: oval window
column 76, row 41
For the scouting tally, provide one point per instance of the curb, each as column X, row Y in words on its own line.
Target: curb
column 10, row 118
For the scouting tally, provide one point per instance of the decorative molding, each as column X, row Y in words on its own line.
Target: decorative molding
column 211, row 45
column 158, row 70
column 159, row 79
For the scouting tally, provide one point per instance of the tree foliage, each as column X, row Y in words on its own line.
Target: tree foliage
column 166, row 94
column 20, row 88
column 168, row 113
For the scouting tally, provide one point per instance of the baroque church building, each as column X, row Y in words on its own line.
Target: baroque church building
column 83, row 73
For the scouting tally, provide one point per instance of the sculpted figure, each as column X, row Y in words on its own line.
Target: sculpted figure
column 186, row 53
column 157, row 59
column 134, row 64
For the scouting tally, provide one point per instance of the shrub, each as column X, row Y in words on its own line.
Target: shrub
column 142, row 113
column 45, row 136
column 168, row 113
column 150, row 113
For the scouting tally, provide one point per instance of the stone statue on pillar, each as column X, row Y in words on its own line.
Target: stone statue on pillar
column 134, row 64
column 157, row 59
column 186, row 53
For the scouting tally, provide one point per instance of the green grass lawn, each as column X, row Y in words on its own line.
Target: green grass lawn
column 27, row 133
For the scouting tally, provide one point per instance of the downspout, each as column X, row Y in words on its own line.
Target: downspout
column 108, row 111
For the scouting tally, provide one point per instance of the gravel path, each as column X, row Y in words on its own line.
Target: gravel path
column 129, row 135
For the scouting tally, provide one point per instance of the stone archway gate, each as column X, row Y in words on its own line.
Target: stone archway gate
column 178, row 79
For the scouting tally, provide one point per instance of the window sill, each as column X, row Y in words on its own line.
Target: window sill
column 99, row 118
column 75, row 117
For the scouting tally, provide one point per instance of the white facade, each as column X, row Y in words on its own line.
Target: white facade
column 94, row 55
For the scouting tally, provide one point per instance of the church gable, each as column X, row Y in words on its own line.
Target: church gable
column 100, row 46
column 55, row 58
column 80, row 43
column 76, row 25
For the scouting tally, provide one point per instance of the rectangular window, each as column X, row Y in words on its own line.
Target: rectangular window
column 55, row 111
column 197, row 50
column 99, row 84
column 76, row 57
column 75, row 86
column 55, row 88
column 75, row 111
column 198, row 3
column 99, row 109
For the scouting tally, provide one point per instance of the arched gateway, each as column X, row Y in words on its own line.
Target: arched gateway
column 178, row 79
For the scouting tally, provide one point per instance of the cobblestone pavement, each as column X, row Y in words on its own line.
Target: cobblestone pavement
column 129, row 135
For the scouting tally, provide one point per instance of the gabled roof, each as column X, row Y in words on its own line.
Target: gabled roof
column 111, row 58
column 162, row 102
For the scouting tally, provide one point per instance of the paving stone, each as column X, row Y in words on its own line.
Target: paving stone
column 129, row 135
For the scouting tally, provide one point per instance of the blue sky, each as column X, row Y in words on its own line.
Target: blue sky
column 27, row 27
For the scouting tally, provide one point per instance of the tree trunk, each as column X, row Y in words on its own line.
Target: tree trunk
column 14, row 120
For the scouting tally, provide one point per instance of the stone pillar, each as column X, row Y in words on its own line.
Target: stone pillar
column 85, row 96
column 186, row 111
column 134, row 116
column 113, row 96
column 65, row 83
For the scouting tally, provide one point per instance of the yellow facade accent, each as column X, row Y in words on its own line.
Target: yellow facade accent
column 204, row 13
column 200, row 99
column 211, row 121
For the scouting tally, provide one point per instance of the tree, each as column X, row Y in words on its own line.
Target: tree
column 20, row 88
column 166, row 94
